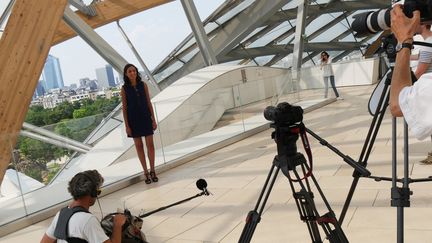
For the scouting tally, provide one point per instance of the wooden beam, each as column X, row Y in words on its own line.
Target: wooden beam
column 107, row 12
column 24, row 48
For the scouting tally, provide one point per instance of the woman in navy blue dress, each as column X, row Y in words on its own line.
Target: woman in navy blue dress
column 139, row 118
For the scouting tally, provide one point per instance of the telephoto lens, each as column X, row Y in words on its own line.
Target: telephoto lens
column 371, row 22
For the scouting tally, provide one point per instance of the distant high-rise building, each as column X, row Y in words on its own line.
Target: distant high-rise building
column 86, row 83
column 105, row 76
column 40, row 91
column 52, row 75
column 83, row 82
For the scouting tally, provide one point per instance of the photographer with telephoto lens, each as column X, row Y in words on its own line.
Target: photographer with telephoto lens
column 412, row 101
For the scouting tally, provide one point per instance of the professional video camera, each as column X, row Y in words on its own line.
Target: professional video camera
column 131, row 231
column 372, row 22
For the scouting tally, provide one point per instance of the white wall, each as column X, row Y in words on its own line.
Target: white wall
column 360, row 72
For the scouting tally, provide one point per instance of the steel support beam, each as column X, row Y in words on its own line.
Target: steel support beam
column 140, row 60
column 199, row 32
column 299, row 41
column 53, row 136
column 231, row 34
column 51, row 141
column 79, row 4
column 94, row 40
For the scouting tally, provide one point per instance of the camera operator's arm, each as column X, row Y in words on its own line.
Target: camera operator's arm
column 116, row 236
column 403, row 28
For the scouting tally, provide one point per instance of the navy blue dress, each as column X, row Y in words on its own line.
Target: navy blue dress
column 138, row 113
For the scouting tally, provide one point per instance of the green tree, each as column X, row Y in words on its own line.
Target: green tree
column 52, row 171
column 35, row 115
column 65, row 110
column 63, row 129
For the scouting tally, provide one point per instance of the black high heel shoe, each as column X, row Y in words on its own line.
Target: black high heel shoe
column 153, row 176
column 147, row 178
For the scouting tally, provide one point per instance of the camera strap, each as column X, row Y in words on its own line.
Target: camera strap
column 301, row 130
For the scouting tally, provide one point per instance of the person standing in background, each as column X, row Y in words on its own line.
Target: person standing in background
column 328, row 74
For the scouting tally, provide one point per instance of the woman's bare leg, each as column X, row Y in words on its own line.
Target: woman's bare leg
column 150, row 151
column 139, row 146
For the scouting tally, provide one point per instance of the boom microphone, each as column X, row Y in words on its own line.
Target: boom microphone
column 202, row 185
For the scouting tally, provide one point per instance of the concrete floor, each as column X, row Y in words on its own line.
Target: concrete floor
column 236, row 175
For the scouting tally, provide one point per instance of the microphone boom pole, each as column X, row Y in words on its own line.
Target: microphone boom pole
column 201, row 184
column 171, row 205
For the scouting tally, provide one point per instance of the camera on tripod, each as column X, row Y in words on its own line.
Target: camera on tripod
column 287, row 121
column 284, row 113
column 374, row 21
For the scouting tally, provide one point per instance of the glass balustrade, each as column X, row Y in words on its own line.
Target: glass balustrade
column 230, row 105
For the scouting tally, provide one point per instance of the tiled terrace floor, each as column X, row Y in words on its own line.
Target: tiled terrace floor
column 236, row 174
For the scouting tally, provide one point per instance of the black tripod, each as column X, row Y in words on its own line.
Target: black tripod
column 400, row 196
column 287, row 159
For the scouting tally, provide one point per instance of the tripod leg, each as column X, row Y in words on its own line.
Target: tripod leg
column 368, row 145
column 254, row 216
column 304, row 202
column 335, row 234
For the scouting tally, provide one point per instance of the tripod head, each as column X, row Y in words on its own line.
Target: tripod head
column 388, row 46
column 287, row 122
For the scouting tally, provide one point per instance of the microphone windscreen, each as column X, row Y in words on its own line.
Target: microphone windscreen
column 201, row 184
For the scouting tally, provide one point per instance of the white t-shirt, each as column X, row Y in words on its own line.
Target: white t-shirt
column 416, row 104
column 81, row 225
column 327, row 68
column 425, row 54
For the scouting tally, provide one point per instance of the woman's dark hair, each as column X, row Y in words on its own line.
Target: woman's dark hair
column 325, row 53
column 85, row 183
column 126, row 80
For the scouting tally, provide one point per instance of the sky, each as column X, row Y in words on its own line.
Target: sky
column 154, row 33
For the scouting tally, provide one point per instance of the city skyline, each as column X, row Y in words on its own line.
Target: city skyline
column 51, row 77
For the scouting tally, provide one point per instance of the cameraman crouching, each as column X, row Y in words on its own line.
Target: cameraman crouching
column 412, row 101
column 75, row 223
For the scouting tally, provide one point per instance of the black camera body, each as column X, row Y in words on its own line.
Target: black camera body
column 284, row 113
column 374, row 21
column 287, row 121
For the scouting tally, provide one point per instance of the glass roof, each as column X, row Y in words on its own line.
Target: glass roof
column 328, row 21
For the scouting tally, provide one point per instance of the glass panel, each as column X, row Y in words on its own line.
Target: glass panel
column 319, row 22
column 4, row 14
column 330, row 34
column 168, row 71
column 27, row 186
column 270, row 36
column 11, row 199
column 186, row 45
column 252, row 33
column 234, row 11
column 263, row 59
column 73, row 119
column 190, row 54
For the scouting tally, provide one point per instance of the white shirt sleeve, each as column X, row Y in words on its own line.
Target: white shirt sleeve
column 93, row 231
column 82, row 225
column 416, row 104
column 51, row 228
